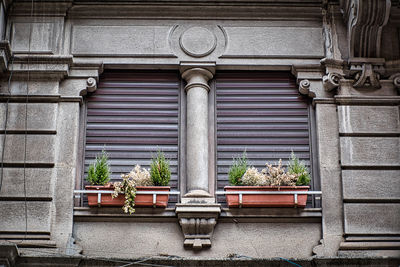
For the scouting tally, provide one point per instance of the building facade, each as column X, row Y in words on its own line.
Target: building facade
column 202, row 81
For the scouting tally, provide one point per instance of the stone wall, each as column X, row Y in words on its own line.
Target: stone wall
column 53, row 54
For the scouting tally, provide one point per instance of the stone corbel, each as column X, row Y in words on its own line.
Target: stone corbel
column 365, row 20
column 197, row 222
column 309, row 79
column 91, row 84
column 334, row 73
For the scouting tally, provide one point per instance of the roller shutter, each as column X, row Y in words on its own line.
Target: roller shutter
column 132, row 115
column 262, row 113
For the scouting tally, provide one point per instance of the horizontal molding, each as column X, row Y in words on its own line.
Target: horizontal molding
column 34, row 243
column 372, row 237
column 364, row 134
column 77, row 54
column 39, row 98
column 369, row 167
column 272, row 57
column 369, row 200
column 25, row 199
column 30, row 132
column 27, row 165
column 323, row 101
column 369, row 101
column 369, row 245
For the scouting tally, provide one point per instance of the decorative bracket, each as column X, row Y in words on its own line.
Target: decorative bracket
column 365, row 20
column 197, row 222
column 91, row 85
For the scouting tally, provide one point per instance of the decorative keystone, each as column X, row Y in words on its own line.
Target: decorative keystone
column 197, row 222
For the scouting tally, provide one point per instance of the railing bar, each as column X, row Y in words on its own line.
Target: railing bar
column 269, row 192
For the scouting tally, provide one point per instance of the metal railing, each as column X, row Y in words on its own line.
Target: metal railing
column 100, row 192
column 294, row 193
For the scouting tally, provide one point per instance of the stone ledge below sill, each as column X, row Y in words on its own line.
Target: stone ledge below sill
column 245, row 215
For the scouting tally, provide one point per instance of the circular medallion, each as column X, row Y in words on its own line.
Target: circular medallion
column 198, row 42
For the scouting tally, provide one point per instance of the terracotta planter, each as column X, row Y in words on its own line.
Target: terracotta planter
column 260, row 200
column 140, row 200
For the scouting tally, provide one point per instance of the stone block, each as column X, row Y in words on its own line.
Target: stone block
column 13, row 216
column 370, row 151
column 371, row 184
column 259, row 42
column 38, row 182
column 125, row 40
column 39, row 148
column 369, row 119
column 67, row 134
column 41, row 35
column 40, row 116
column 46, row 87
column 363, row 218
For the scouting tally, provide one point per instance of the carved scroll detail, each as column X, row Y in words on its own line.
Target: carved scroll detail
column 91, row 85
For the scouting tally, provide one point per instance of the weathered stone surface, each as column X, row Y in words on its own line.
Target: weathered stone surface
column 332, row 212
column 259, row 240
column 34, row 87
column 371, row 184
column 372, row 218
column 126, row 40
column 40, row 116
column 370, row 151
column 38, row 182
column 369, row 119
column 67, row 134
column 274, row 41
column 40, row 33
column 39, row 148
column 13, row 216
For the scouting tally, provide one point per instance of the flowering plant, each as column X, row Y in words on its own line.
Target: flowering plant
column 137, row 177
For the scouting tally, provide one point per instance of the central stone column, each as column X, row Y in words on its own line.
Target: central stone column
column 197, row 89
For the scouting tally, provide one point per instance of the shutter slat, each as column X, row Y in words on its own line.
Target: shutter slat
column 132, row 115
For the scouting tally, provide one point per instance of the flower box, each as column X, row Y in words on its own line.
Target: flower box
column 141, row 200
column 266, row 200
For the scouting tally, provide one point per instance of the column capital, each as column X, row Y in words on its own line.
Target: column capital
column 197, row 77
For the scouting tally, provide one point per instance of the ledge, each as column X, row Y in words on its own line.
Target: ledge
column 244, row 215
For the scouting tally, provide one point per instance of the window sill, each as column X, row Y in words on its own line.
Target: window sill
column 232, row 215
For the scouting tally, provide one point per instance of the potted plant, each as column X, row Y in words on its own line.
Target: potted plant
column 140, row 179
column 99, row 176
column 272, row 178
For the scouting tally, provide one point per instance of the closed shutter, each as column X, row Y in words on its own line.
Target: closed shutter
column 132, row 115
column 262, row 113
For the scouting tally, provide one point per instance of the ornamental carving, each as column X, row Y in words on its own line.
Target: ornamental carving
column 91, row 85
column 365, row 20
column 331, row 81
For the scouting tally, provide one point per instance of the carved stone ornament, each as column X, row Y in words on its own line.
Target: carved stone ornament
column 331, row 81
column 367, row 77
column 396, row 80
column 197, row 222
column 91, row 85
column 198, row 42
column 365, row 20
column 304, row 87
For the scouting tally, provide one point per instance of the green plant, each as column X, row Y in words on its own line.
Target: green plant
column 137, row 177
column 297, row 167
column 99, row 171
column 237, row 169
column 159, row 170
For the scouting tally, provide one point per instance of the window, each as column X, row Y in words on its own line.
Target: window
column 132, row 115
column 262, row 113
